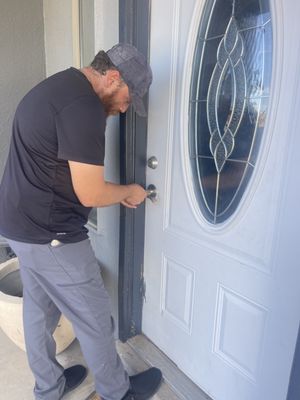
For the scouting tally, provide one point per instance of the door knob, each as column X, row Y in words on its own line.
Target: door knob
column 152, row 193
column 152, row 162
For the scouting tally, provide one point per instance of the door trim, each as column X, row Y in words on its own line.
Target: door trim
column 134, row 28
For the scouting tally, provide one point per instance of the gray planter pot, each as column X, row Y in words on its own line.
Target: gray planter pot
column 11, row 309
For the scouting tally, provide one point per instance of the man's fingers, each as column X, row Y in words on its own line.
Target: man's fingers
column 128, row 205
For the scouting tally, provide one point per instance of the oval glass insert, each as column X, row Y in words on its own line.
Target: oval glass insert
column 229, row 96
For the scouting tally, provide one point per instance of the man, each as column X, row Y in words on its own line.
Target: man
column 53, row 176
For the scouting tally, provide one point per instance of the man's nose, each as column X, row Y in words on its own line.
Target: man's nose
column 124, row 108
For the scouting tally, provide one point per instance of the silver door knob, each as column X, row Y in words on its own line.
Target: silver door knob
column 152, row 162
column 152, row 193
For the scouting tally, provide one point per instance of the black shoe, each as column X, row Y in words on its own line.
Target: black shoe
column 74, row 377
column 144, row 385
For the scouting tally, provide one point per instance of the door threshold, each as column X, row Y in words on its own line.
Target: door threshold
column 177, row 382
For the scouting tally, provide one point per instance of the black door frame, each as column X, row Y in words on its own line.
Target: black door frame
column 134, row 28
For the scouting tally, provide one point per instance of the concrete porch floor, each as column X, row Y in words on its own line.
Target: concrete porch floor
column 17, row 381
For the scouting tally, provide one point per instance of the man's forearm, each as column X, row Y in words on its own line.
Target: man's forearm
column 109, row 194
column 93, row 191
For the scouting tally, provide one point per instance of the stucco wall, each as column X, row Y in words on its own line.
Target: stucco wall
column 58, row 35
column 36, row 39
column 99, row 30
column 22, row 60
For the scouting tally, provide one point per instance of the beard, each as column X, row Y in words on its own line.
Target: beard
column 109, row 102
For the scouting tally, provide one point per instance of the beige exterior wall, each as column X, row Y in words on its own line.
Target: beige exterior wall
column 60, row 44
column 22, row 60
column 37, row 40
column 99, row 30
column 106, row 243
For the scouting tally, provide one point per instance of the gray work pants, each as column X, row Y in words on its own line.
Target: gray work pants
column 66, row 279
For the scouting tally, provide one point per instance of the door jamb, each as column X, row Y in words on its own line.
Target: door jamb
column 134, row 28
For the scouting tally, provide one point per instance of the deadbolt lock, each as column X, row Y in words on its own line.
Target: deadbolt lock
column 152, row 162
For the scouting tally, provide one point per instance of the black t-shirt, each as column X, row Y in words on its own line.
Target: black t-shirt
column 60, row 119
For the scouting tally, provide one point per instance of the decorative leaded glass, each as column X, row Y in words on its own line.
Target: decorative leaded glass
column 229, row 96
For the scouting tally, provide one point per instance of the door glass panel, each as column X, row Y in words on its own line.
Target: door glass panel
column 229, row 98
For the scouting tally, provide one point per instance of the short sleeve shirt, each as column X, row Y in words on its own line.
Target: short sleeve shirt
column 60, row 119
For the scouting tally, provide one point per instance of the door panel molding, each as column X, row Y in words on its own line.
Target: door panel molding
column 253, row 321
column 178, row 303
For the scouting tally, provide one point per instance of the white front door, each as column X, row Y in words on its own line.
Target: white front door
column 222, row 296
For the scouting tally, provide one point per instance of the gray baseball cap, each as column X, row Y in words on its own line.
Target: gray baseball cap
column 134, row 70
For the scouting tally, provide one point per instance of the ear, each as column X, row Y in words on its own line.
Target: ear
column 112, row 77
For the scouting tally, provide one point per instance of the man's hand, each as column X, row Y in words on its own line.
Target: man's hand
column 136, row 197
